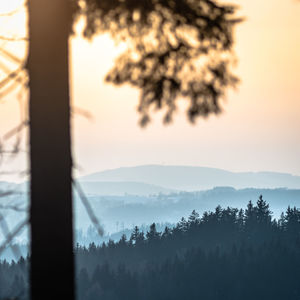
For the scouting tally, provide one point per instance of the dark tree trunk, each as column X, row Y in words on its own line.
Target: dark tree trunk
column 52, row 262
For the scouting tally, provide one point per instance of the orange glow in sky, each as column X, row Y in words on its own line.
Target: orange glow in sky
column 258, row 130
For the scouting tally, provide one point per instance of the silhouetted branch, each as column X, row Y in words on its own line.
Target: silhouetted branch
column 5, row 230
column 16, row 207
column 4, row 68
column 19, row 80
column 80, row 111
column 16, row 130
column 13, row 12
column 176, row 49
column 6, row 193
column 13, row 39
column 13, row 151
column 13, row 234
column 88, row 208
column 11, row 56
column 16, row 147
column 10, row 77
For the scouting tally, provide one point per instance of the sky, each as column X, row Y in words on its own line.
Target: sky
column 257, row 131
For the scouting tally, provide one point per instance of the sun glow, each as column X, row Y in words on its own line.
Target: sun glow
column 257, row 130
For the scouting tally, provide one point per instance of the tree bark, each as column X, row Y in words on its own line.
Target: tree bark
column 52, row 262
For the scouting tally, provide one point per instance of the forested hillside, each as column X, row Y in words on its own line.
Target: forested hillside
column 225, row 254
column 130, row 210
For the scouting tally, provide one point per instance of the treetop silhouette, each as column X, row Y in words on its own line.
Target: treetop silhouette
column 175, row 49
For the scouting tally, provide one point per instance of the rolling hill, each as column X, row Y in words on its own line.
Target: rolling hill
column 188, row 178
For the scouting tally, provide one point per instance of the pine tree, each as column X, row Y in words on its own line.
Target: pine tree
column 167, row 232
column 193, row 219
column 152, row 234
column 182, row 225
column 250, row 219
column 135, row 234
column 292, row 222
column 123, row 241
column 263, row 213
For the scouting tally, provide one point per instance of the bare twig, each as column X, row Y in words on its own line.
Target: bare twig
column 4, row 68
column 16, row 208
column 11, row 76
column 11, row 56
column 6, row 193
column 17, row 81
column 18, row 76
column 80, row 111
column 16, row 130
column 13, row 234
column 10, row 13
column 13, row 39
column 88, row 208
column 5, row 230
column 13, row 151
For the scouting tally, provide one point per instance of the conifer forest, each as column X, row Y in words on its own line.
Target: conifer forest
column 227, row 253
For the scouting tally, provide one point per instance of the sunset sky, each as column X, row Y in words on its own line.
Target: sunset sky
column 258, row 130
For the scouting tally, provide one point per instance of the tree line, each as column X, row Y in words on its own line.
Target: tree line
column 228, row 253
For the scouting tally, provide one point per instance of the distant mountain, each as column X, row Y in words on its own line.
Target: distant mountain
column 188, row 178
column 122, row 188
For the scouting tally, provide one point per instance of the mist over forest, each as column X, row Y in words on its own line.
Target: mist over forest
column 216, row 255
column 125, row 197
column 121, row 204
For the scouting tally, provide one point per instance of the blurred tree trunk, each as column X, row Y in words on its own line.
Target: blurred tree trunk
column 52, row 263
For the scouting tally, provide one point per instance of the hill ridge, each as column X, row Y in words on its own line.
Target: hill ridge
column 191, row 178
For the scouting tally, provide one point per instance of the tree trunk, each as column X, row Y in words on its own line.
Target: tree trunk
column 52, row 262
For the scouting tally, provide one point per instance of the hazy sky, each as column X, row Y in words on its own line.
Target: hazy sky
column 258, row 130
